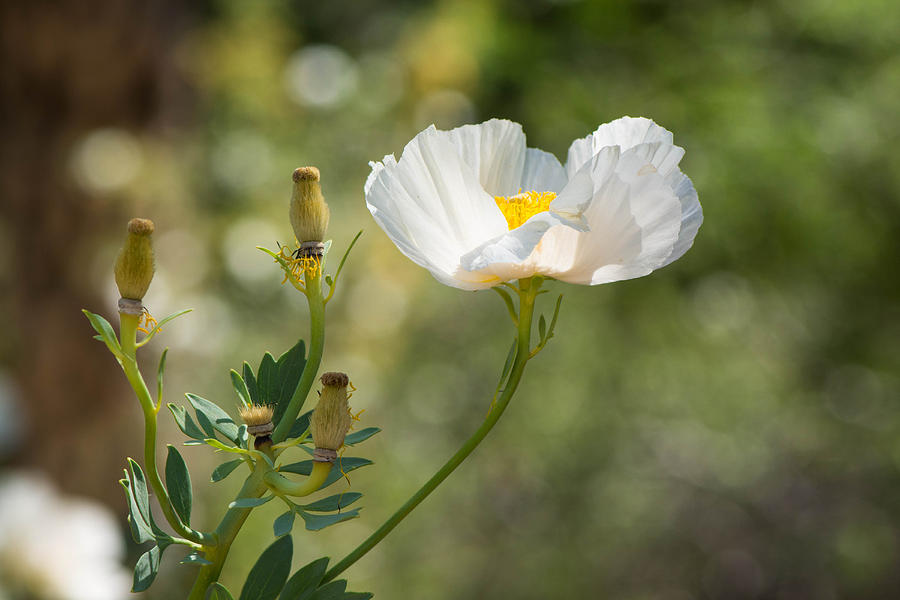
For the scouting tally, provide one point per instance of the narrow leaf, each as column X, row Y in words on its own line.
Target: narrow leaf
column 283, row 524
column 217, row 417
column 555, row 316
column 360, row 436
column 178, row 482
column 105, row 330
column 145, row 570
column 346, row 254
column 250, row 381
column 140, row 528
column 139, row 489
column 267, row 380
column 225, row 469
column 185, row 422
column 159, row 325
column 357, row 595
column 341, row 467
column 217, row 591
column 240, row 388
column 249, row 502
column 305, row 581
column 243, row 436
column 331, row 591
column 195, row 558
column 290, row 368
column 159, row 376
column 542, row 328
column 336, row 502
column 317, row 522
column 270, row 572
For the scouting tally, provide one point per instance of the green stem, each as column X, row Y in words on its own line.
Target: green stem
column 283, row 486
column 316, row 347
column 231, row 524
column 128, row 333
column 528, row 289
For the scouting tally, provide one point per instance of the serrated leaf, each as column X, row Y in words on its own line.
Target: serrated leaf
column 194, row 558
column 145, row 570
column 178, row 482
column 185, row 422
column 316, row 522
column 250, row 382
column 217, row 591
column 249, row 502
column 341, row 466
column 105, row 331
column 330, row 591
column 290, row 369
column 216, row 417
column 225, row 469
column 283, row 524
column 360, row 436
column 336, row 502
column 270, row 572
column 240, row 388
column 304, row 582
column 267, row 380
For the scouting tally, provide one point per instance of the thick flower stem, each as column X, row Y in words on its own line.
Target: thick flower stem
column 316, row 347
column 226, row 532
column 128, row 332
column 284, row 486
column 528, row 289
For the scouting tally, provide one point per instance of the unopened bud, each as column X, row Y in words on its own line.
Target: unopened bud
column 309, row 212
column 134, row 265
column 331, row 420
column 258, row 419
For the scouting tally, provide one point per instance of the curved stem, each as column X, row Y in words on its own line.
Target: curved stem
column 226, row 532
column 527, row 291
column 128, row 333
column 283, row 486
column 316, row 347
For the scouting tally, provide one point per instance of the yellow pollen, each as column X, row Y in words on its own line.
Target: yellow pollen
column 524, row 205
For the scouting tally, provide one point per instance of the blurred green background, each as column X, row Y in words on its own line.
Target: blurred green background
column 724, row 428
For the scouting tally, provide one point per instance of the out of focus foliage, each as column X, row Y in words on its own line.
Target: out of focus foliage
column 728, row 427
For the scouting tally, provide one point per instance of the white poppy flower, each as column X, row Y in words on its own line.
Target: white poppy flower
column 476, row 207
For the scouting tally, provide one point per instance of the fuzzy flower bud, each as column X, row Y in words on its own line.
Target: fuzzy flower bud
column 134, row 265
column 309, row 212
column 258, row 418
column 331, row 420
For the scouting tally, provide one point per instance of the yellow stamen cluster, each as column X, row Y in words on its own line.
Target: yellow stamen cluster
column 147, row 322
column 257, row 414
column 301, row 266
column 524, row 205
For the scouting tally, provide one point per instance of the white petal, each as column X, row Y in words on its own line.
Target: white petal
column 691, row 213
column 542, row 172
column 512, row 247
column 626, row 133
column 495, row 150
column 431, row 205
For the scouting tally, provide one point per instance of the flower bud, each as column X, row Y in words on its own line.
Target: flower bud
column 331, row 420
column 134, row 265
column 309, row 212
column 258, row 418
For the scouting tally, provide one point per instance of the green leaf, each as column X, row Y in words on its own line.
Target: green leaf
column 225, row 469
column 243, row 436
column 331, row 591
column 139, row 489
column 344, row 258
column 156, row 329
column 250, row 381
column 105, row 331
column 290, row 368
column 555, row 316
column 341, row 466
column 178, row 482
column 360, row 436
column 185, row 422
column 249, row 502
column 270, row 572
column 318, row 522
column 220, row 446
column 542, row 328
column 300, row 425
column 140, row 528
column 267, row 380
column 240, row 388
column 508, row 301
column 216, row 417
column 195, row 558
column 283, row 524
column 336, row 502
column 145, row 570
column 159, row 376
column 304, row 582
column 357, row 595
column 217, row 591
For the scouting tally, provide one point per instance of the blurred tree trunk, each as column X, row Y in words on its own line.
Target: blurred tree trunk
column 68, row 68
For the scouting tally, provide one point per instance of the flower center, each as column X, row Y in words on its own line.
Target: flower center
column 524, row 205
